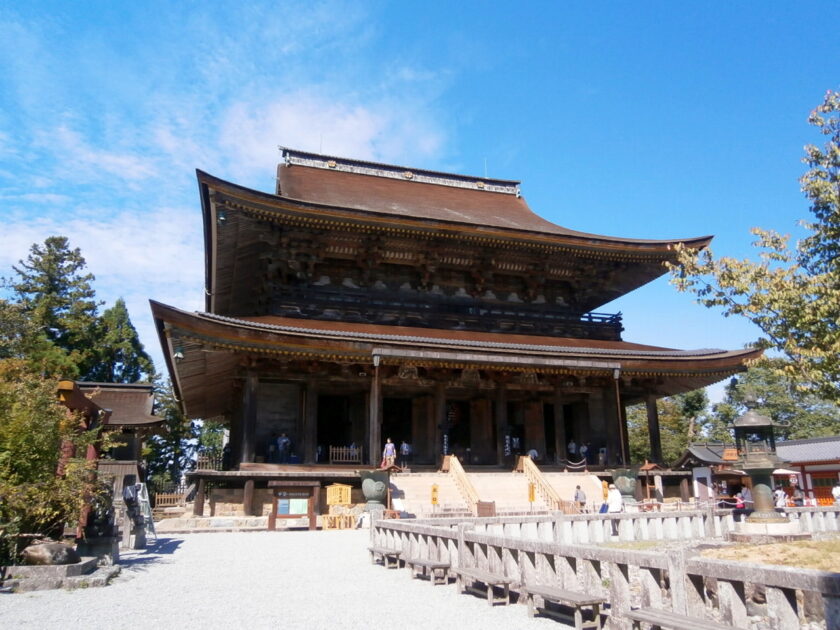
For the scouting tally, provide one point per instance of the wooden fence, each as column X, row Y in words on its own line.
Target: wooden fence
column 550, row 551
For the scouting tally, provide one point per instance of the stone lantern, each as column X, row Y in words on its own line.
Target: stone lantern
column 757, row 457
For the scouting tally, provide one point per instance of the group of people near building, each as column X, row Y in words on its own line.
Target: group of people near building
column 584, row 453
column 389, row 454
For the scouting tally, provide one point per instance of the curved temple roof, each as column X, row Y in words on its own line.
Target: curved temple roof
column 423, row 195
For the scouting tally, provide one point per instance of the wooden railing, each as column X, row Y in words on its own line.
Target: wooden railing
column 452, row 465
column 207, row 461
column 544, row 489
column 346, row 454
column 698, row 587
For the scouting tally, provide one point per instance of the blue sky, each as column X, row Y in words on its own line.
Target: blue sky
column 649, row 120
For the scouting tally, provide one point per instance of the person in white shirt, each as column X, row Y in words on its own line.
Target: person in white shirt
column 615, row 504
column 835, row 492
column 746, row 494
column 780, row 497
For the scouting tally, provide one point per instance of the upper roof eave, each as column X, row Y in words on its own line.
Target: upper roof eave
column 567, row 237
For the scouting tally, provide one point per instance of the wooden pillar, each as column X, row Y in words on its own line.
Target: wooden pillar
column 310, row 423
column 481, row 430
column 429, row 454
column 613, row 428
column 534, row 427
column 501, row 421
column 559, row 426
column 198, row 502
column 375, row 418
column 653, row 429
column 420, row 407
column 440, row 418
column 249, row 419
column 685, row 494
column 248, row 498
column 626, row 443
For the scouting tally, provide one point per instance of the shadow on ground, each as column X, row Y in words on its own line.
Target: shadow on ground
column 153, row 554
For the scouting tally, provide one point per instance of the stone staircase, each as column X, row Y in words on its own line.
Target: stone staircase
column 564, row 483
column 508, row 489
column 412, row 492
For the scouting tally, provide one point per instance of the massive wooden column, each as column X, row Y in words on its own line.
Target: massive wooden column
column 249, row 419
column 375, row 418
column 597, row 427
column 559, row 426
column 500, row 413
column 440, row 418
column 534, row 427
column 615, row 430
column 481, row 430
column 422, row 428
column 310, row 423
column 653, row 429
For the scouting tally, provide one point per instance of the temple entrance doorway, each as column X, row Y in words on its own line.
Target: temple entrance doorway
column 550, row 435
column 458, row 434
column 396, row 420
column 335, row 427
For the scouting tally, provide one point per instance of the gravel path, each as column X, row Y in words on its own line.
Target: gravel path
column 259, row 580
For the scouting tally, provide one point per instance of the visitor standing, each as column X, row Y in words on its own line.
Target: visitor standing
column 835, row 493
column 780, row 497
column 798, row 497
column 615, row 504
column 584, row 452
column 284, row 446
column 405, row 453
column 580, row 498
column 572, row 448
column 746, row 493
column 389, row 453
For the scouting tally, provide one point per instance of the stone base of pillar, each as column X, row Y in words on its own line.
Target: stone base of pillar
column 768, row 532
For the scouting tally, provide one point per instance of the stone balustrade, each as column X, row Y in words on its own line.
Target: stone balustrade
column 560, row 550
column 596, row 528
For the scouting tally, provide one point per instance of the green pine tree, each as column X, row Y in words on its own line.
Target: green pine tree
column 57, row 298
column 121, row 357
column 169, row 454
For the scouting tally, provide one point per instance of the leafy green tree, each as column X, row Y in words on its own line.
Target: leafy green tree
column 210, row 438
column 792, row 293
column 56, row 296
column 681, row 420
column 33, row 426
column 803, row 413
column 120, row 357
column 170, row 454
column 21, row 338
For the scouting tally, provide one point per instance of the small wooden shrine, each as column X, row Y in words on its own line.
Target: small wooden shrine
column 362, row 301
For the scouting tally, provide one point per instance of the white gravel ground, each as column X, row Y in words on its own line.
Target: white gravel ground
column 293, row 579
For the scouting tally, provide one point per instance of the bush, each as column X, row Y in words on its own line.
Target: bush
column 34, row 499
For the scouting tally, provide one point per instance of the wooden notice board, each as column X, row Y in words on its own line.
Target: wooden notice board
column 294, row 499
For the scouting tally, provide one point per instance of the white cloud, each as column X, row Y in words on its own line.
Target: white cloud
column 156, row 255
column 81, row 157
column 250, row 133
column 46, row 198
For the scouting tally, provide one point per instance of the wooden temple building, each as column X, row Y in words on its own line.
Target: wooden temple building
column 362, row 301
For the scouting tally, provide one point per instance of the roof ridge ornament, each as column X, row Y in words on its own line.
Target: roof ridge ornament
column 294, row 157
